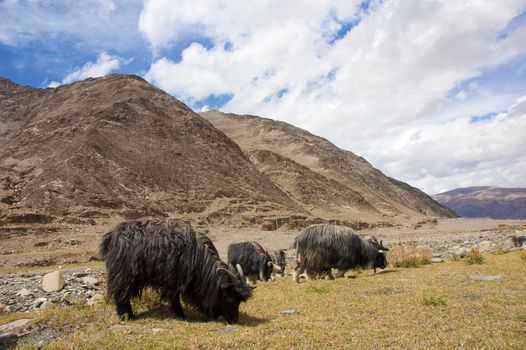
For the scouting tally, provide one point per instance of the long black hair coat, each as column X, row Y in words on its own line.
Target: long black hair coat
column 169, row 256
column 322, row 247
column 253, row 259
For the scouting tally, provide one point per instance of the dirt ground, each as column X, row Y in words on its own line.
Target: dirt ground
column 29, row 245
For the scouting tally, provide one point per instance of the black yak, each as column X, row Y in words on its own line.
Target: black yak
column 320, row 248
column 251, row 259
column 167, row 255
column 518, row 241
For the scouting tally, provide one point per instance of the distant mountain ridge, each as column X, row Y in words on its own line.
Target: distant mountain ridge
column 486, row 201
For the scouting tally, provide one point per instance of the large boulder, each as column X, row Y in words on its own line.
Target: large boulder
column 53, row 282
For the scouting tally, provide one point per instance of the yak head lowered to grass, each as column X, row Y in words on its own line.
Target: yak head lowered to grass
column 170, row 257
column 381, row 260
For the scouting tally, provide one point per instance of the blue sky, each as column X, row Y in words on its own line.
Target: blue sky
column 400, row 83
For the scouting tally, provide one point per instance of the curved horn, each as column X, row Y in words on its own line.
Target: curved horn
column 240, row 271
column 229, row 272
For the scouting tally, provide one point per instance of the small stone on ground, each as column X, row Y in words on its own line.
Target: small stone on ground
column 484, row 278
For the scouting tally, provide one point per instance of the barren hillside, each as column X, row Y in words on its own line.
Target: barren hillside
column 119, row 143
column 339, row 175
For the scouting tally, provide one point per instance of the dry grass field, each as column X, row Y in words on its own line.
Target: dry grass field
column 437, row 306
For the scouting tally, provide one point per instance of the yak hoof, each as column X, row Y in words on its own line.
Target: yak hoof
column 127, row 317
column 179, row 315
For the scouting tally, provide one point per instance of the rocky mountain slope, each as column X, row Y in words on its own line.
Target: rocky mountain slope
column 119, row 143
column 485, row 201
column 319, row 175
column 118, row 147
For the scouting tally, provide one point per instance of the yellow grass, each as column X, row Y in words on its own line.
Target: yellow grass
column 475, row 257
column 437, row 306
column 410, row 255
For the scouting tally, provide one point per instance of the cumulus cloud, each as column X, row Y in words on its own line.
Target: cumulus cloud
column 465, row 151
column 393, row 81
column 104, row 65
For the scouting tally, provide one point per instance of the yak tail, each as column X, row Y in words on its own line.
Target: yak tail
column 105, row 245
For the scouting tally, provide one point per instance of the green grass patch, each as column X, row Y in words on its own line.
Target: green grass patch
column 318, row 289
column 434, row 300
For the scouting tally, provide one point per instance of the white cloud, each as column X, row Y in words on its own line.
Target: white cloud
column 461, row 151
column 104, row 65
column 383, row 91
column 98, row 24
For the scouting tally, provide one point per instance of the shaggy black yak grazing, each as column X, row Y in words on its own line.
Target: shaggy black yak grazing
column 167, row 255
column 321, row 248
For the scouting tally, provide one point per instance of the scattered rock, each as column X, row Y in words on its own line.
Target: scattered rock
column 229, row 329
column 91, row 281
column 486, row 278
column 72, row 242
column 2, row 308
column 53, row 281
column 72, row 299
column 484, row 246
column 157, row 330
column 8, row 341
column 461, row 252
column 437, row 260
column 289, row 312
column 40, row 303
column 97, row 298
column 41, row 244
column 11, row 326
column 24, row 292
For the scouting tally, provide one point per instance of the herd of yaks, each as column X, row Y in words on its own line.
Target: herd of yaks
column 170, row 257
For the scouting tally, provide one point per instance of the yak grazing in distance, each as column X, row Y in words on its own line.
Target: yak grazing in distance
column 251, row 260
column 321, row 248
column 167, row 255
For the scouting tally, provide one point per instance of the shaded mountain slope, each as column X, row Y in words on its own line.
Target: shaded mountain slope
column 118, row 142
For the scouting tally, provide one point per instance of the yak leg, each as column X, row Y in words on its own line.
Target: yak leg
column 296, row 276
column 340, row 273
column 252, row 279
column 312, row 275
column 330, row 275
column 177, row 309
column 124, row 307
